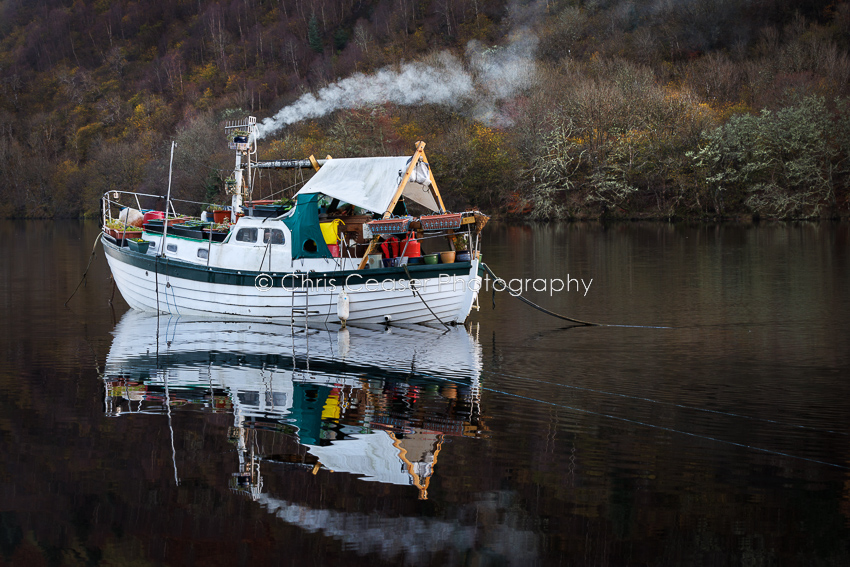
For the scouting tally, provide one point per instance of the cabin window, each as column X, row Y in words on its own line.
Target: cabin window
column 275, row 234
column 246, row 235
column 249, row 398
column 203, row 253
column 171, row 248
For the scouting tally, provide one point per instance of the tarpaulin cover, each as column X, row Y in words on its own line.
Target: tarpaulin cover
column 307, row 238
column 369, row 183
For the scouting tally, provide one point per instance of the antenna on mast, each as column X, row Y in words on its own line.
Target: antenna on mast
column 242, row 136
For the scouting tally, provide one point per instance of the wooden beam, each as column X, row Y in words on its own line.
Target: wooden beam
column 315, row 163
column 434, row 188
column 420, row 150
column 368, row 251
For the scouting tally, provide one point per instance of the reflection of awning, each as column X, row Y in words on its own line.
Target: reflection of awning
column 369, row 183
column 372, row 455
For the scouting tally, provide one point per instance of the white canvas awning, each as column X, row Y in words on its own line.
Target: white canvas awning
column 370, row 183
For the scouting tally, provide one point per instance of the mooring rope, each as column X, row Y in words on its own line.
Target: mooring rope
column 668, row 429
column 671, row 404
column 552, row 313
column 419, row 295
column 87, row 268
column 531, row 303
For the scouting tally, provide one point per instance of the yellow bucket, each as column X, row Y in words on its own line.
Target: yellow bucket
column 330, row 230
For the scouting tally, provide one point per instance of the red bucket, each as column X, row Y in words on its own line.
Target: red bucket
column 413, row 250
column 334, row 248
column 153, row 215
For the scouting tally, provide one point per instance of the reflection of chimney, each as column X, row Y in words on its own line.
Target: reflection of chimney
column 419, row 453
column 248, row 478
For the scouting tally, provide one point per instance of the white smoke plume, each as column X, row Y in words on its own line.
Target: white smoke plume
column 500, row 73
column 490, row 76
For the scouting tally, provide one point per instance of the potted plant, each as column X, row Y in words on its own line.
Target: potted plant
column 118, row 230
column 461, row 244
column 219, row 213
column 269, row 209
column 285, row 203
column 139, row 245
column 217, row 232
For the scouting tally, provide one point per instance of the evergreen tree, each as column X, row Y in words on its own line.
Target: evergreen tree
column 314, row 37
column 340, row 39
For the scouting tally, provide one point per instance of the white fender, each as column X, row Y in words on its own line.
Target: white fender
column 342, row 307
column 344, row 343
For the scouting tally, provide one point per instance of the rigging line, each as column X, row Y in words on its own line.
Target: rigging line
column 266, row 251
column 328, row 313
column 671, row 404
column 167, row 286
column 156, row 285
column 91, row 257
column 173, row 298
column 650, row 425
column 171, row 429
column 296, row 184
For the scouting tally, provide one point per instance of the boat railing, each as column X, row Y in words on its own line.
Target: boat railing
column 115, row 194
column 107, row 211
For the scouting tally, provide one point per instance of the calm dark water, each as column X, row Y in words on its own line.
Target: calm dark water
column 710, row 429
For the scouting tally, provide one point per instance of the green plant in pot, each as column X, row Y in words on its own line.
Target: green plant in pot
column 461, row 243
column 283, row 204
column 219, row 213
column 139, row 245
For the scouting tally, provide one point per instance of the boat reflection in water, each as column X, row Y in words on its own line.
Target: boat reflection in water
column 377, row 403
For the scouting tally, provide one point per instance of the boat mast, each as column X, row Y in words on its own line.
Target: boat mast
column 243, row 136
column 167, row 203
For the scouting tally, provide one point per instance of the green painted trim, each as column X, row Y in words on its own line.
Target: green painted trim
column 195, row 272
column 205, row 240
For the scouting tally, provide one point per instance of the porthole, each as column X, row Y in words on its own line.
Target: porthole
column 171, row 248
column 203, row 253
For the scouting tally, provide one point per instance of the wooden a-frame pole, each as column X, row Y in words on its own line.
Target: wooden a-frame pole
column 420, row 153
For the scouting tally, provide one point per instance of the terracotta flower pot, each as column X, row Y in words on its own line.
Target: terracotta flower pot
column 447, row 257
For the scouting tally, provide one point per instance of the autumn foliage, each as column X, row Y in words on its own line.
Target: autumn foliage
column 638, row 109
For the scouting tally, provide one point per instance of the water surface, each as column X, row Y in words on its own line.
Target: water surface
column 707, row 425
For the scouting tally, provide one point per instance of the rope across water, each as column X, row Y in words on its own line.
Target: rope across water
column 552, row 313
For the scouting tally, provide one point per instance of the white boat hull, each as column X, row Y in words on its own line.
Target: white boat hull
column 446, row 292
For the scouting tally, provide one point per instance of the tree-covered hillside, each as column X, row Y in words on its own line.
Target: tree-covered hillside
column 551, row 108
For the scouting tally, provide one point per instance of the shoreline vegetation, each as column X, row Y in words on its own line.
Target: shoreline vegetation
column 539, row 110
